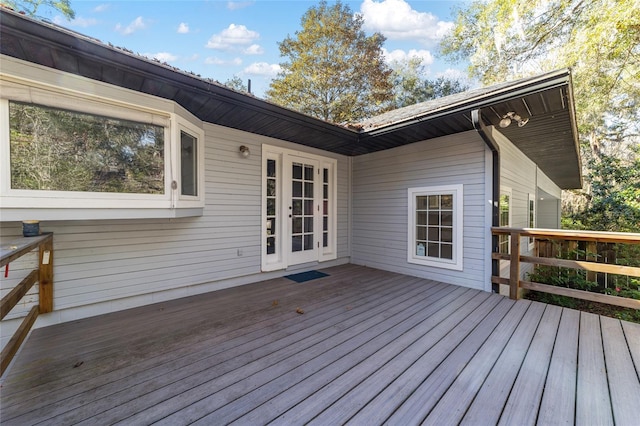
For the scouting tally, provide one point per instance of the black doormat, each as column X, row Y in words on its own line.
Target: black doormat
column 306, row 276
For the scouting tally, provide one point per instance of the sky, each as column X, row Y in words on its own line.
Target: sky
column 221, row 39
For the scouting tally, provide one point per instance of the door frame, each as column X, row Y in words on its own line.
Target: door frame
column 281, row 258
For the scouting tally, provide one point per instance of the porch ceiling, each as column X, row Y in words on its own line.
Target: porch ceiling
column 549, row 138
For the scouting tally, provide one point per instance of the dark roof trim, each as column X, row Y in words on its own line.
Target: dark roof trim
column 54, row 47
column 555, row 79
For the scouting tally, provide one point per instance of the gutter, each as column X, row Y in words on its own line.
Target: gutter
column 481, row 128
column 551, row 80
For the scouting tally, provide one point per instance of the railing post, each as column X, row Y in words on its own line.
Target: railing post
column 514, row 270
column 45, row 283
column 592, row 256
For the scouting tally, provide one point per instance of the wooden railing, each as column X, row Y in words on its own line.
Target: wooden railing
column 43, row 274
column 588, row 264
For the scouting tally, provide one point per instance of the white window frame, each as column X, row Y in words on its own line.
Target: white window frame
column 456, row 263
column 19, row 204
column 531, row 199
column 506, row 191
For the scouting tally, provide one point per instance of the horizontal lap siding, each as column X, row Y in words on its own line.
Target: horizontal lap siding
column 521, row 174
column 107, row 265
column 380, row 183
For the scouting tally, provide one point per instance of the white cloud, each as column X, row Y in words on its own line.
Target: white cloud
column 453, row 74
column 459, row 75
column 162, row 56
column 225, row 62
column 401, row 55
column 235, row 5
column 396, row 20
column 254, row 49
column 233, row 37
column 183, row 28
column 101, row 8
column 76, row 22
column 263, row 69
column 137, row 24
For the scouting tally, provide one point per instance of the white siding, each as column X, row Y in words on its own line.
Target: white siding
column 548, row 214
column 521, row 174
column 108, row 265
column 380, row 183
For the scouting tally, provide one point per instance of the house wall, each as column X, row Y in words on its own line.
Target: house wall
column 523, row 177
column 102, row 266
column 549, row 213
column 380, row 183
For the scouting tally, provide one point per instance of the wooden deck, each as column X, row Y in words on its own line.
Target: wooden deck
column 371, row 347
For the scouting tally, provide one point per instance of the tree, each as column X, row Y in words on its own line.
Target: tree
column 236, row 84
column 30, row 7
column 334, row 71
column 598, row 39
column 410, row 87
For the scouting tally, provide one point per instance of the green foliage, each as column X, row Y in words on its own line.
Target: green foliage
column 30, row 7
column 410, row 87
column 58, row 150
column 611, row 284
column 600, row 41
column 614, row 201
column 333, row 70
column 236, row 83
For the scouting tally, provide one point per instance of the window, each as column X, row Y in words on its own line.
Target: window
column 505, row 220
column 435, row 226
column 80, row 157
column 57, row 150
column 188, row 164
column 531, row 206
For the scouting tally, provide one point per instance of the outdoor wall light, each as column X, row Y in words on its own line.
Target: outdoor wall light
column 244, row 151
column 506, row 120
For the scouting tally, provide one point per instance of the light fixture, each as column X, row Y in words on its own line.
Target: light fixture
column 506, row 120
column 244, row 151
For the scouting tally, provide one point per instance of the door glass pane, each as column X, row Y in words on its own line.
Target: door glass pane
column 271, row 226
column 272, row 200
column 271, row 168
column 308, row 190
column 296, row 189
column 302, row 212
column 308, row 242
column 271, row 245
column 297, row 207
column 308, row 173
column 271, row 207
column 296, row 243
column 308, row 207
column 308, row 224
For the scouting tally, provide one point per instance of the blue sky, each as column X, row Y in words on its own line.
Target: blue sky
column 220, row 39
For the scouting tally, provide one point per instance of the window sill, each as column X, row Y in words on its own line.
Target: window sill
column 20, row 214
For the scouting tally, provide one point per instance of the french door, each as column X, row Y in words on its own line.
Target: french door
column 299, row 211
column 303, row 210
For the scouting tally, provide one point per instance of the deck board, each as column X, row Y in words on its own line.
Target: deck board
column 492, row 396
column 593, row 402
column 623, row 384
column 558, row 403
column 372, row 347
